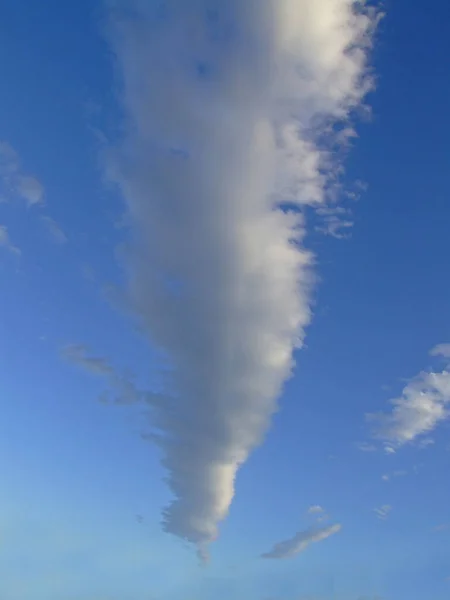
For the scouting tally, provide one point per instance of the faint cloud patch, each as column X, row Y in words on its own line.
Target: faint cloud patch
column 393, row 475
column 366, row 447
column 383, row 511
column 16, row 183
column 121, row 387
column 5, row 241
column 54, row 230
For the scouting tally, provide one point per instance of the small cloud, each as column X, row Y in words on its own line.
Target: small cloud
column 389, row 476
column 9, row 160
column 389, row 450
column 383, row 512
column 366, row 447
column 301, row 541
column 14, row 181
column 441, row 350
column 5, row 242
column 420, row 408
column 30, row 189
column 315, row 509
column 54, row 230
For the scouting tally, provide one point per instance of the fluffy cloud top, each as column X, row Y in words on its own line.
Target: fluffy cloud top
column 301, row 541
column 233, row 112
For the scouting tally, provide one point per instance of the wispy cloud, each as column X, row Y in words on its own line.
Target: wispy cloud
column 422, row 405
column 5, row 241
column 301, row 541
column 54, row 230
column 121, row 388
column 383, row 511
column 16, row 183
column 336, row 221
column 233, row 108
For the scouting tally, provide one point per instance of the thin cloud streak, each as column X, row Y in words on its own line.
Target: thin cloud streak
column 231, row 109
column 121, row 388
column 299, row 543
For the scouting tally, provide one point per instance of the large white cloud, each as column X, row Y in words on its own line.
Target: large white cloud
column 231, row 108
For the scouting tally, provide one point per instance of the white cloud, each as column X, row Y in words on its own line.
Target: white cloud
column 5, row 241
column 121, row 388
column 14, row 181
column 383, row 511
column 301, row 541
column 422, row 405
column 54, row 230
column 315, row 509
column 221, row 130
column 441, row 350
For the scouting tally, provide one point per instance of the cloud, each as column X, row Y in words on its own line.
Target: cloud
column 233, row 117
column 15, row 183
column 394, row 474
column 422, row 405
column 441, row 350
column 336, row 221
column 366, row 447
column 383, row 511
column 315, row 510
column 5, row 242
column 441, row 528
column 121, row 388
column 54, row 230
column 301, row 541
column 30, row 189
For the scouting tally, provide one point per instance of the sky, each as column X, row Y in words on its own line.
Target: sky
column 224, row 332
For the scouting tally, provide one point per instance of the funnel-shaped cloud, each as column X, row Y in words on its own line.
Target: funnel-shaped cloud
column 233, row 110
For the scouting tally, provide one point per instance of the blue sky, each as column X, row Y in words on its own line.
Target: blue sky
column 145, row 264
